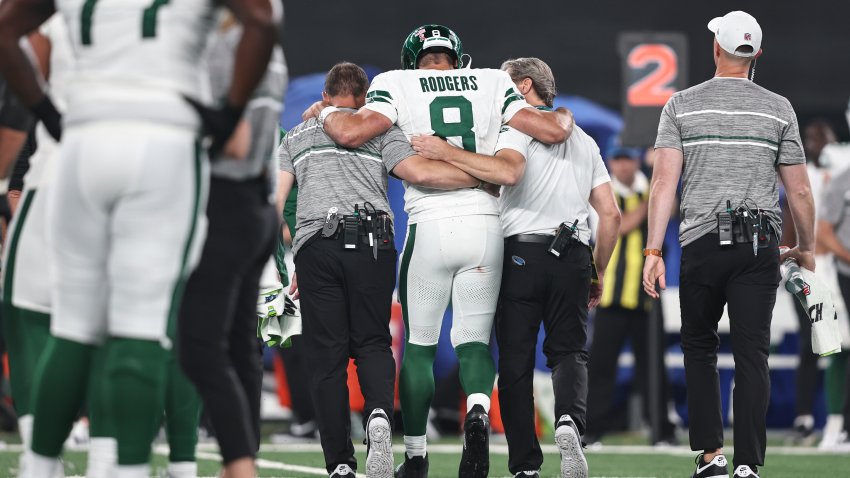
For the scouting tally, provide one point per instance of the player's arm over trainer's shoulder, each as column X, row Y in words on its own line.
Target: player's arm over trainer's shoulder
column 352, row 130
column 402, row 162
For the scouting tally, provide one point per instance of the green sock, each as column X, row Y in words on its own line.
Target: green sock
column 16, row 348
column 99, row 425
column 416, row 387
column 477, row 370
column 59, row 389
column 35, row 331
column 182, row 414
column 133, row 393
column 834, row 381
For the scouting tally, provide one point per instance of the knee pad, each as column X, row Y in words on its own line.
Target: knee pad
column 425, row 336
column 466, row 332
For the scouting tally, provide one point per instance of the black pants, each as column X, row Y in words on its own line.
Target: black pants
column 711, row 277
column 808, row 374
column 844, row 285
column 537, row 287
column 611, row 327
column 218, row 345
column 346, row 300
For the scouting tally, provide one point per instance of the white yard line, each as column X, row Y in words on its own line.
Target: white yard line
column 502, row 449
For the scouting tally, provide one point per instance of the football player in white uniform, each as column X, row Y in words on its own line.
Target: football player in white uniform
column 126, row 207
column 453, row 252
column 26, row 291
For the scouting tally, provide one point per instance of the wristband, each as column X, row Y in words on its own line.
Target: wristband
column 46, row 111
column 651, row 252
column 325, row 113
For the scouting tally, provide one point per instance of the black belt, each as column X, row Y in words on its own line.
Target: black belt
column 531, row 238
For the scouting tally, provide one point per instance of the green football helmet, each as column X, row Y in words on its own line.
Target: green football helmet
column 427, row 37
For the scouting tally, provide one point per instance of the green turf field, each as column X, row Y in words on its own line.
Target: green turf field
column 611, row 461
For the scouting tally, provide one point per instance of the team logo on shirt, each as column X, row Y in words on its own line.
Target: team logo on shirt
column 518, row 260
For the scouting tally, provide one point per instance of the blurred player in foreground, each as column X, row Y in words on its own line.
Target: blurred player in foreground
column 131, row 187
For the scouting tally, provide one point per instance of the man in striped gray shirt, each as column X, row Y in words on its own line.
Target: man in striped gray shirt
column 728, row 138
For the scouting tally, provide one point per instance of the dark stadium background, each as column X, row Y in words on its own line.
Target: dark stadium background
column 806, row 44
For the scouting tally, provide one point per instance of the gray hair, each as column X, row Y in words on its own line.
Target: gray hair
column 535, row 69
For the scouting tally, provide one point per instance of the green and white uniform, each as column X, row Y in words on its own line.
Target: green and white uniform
column 125, row 220
column 26, row 269
column 453, row 252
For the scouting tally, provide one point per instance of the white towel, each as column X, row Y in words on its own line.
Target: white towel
column 826, row 333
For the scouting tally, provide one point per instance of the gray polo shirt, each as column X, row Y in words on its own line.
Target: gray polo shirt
column 332, row 176
column 734, row 135
column 262, row 112
column 835, row 209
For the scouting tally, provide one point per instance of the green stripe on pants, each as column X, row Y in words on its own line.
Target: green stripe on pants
column 416, row 378
column 180, row 286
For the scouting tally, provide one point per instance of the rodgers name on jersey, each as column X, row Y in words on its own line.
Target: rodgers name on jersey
column 467, row 107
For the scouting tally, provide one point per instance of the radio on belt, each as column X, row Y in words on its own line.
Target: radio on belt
column 351, row 232
column 724, row 225
column 562, row 238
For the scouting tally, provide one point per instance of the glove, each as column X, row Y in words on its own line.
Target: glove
column 46, row 111
column 218, row 123
column 278, row 317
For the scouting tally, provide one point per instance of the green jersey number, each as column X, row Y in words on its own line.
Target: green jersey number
column 462, row 127
column 148, row 19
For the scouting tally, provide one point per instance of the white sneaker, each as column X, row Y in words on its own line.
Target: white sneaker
column 342, row 470
column 573, row 463
column 379, row 445
column 182, row 469
column 79, row 436
column 843, row 443
column 744, row 471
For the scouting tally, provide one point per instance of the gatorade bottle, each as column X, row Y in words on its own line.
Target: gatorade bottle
column 794, row 282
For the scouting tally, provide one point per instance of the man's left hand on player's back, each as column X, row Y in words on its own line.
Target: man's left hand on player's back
column 432, row 147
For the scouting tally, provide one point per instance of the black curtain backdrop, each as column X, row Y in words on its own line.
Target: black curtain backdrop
column 806, row 44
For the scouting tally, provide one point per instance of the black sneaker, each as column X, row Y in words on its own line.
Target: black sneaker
column 573, row 463
column 745, row 471
column 379, row 445
column 415, row 467
column 716, row 468
column 342, row 471
column 475, row 461
column 803, row 433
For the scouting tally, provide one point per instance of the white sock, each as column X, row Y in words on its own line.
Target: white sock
column 183, row 469
column 39, row 466
column 415, row 446
column 25, row 429
column 133, row 471
column 478, row 399
column 103, row 457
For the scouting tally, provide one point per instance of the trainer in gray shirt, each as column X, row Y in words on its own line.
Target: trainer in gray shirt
column 332, row 176
column 734, row 134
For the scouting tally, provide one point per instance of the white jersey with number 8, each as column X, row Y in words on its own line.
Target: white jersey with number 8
column 466, row 106
column 136, row 58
